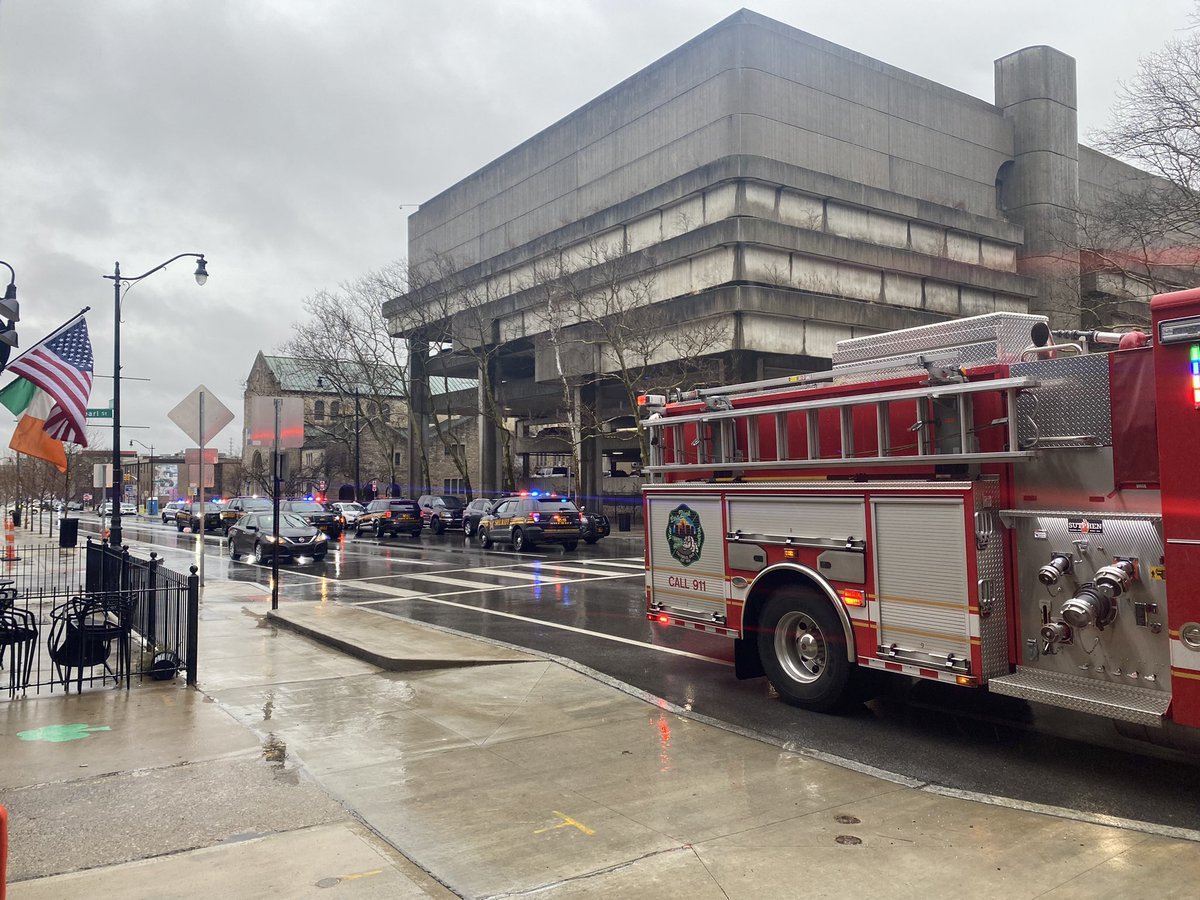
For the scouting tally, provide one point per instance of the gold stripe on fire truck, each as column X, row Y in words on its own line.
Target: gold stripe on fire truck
column 1183, row 673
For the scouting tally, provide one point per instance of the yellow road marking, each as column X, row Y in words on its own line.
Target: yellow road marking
column 362, row 875
column 567, row 822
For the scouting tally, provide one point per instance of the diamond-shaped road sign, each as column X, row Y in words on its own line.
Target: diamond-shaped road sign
column 187, row 416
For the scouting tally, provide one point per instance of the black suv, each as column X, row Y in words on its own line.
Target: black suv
column 390, row 516
column 314, row 514
column 526, row 522
column 441, row 511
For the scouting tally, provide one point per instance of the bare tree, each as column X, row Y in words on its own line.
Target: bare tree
column 345, row 343
column 1141, row 237
column 602, row 306
column 447, row 315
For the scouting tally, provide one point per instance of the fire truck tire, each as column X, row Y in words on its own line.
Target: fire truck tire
column 803, row 649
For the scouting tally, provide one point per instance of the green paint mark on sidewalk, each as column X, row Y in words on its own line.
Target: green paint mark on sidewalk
column 57, row 734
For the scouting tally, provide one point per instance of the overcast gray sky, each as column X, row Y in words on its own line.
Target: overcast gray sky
column 282, row 138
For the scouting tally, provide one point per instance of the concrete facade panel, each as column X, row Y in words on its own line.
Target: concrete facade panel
column 799, row 105
column 766, row 265
column 944, row 188
column 768, row 334
column 820, row 338
column 859, row 283
column 713, row 268
column 1047, row 125
column 644, row 232
column 887, row 230
column 998, row 256
column 719, row 203
column 760, row 200
column 1007, row 303
column 902, row 290
column 1041, row 170
column 801, row 210
column 951, row 153
column 848, row 221
column 680, row 218
column 673, row 280
column 975, row 302
column 820, row 276
column 927, row 239
column 808, row 149
column 962, row 247
column 941, row 297
column 1036, row 72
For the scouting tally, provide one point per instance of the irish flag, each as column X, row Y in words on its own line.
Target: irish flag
column 24, row 398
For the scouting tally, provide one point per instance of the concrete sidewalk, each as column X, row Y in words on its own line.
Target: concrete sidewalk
column 414, row 762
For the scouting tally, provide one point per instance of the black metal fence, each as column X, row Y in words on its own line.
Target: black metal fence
column 85, row 615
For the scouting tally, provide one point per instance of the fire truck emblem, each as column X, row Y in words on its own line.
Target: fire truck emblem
column 685, row 534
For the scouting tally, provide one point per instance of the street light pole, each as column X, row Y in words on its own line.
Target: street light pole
column 357, row 478
column 118, row 482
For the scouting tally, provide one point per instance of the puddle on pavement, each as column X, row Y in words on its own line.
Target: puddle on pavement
column 274, row 750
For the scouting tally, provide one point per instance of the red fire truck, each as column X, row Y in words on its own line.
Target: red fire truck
column 982, row 501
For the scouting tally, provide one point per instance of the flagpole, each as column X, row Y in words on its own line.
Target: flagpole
column 61, row 328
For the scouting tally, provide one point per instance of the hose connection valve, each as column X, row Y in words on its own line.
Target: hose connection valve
column 1051, row 572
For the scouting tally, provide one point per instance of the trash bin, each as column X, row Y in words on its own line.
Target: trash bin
column 624, row 520
column 16, row 516
column 68, row 533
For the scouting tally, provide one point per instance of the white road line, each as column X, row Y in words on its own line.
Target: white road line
column 615, row 564
column 526, row 576
column 438, row 578
column 507, row 615
column 555, row 567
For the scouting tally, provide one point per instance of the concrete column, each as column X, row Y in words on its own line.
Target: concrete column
column 591, row 477
column 489, row 434
column 418, row 418
column 1035, row 89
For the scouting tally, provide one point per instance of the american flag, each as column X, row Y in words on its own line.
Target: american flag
column 62, row 367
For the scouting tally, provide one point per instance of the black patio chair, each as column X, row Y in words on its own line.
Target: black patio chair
column 18, row 631
column 83, row 631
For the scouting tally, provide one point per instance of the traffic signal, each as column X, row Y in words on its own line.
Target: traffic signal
column 10, row 310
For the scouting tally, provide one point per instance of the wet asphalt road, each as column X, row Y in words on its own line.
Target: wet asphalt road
column 589, row 606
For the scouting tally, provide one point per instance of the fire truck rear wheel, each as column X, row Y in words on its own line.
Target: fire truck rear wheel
column 803, row 649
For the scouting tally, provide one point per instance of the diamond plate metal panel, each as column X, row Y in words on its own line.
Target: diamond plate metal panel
column 1071, row 402
column 1008, row 333
column 1116, row 701
column 989, row 563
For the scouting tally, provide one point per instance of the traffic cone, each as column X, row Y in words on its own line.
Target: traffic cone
column 10, row 541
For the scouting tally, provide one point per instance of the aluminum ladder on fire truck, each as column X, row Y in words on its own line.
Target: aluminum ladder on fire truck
column 949, row 436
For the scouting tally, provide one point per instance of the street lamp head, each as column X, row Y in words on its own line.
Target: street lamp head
column 201, row 271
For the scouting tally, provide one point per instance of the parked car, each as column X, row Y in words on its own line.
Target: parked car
column 169, row 510
column 254, row 534
column 476, row 510
column 526, row 522
column 441, row 511
column 390, row 516
column 314, row 513
column 74, row 505
column 127, row 509
column 189, row 517
column 595, row 526
column 349, row 511
column 237, row 507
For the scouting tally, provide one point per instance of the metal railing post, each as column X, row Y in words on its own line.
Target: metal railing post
column 193, row 626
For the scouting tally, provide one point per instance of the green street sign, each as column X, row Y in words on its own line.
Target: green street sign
column 99, row 413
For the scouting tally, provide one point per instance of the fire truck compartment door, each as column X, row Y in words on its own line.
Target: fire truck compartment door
column 920, row 548
column 687, row 556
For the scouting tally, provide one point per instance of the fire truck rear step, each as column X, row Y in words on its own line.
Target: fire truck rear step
column 1115, row 701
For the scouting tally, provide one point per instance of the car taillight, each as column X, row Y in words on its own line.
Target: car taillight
column 537, row 517
column 388, row 514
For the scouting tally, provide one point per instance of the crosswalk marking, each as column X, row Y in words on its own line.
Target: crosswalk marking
column 640, row 565
column 525, row 576
column 445, row 579
column 555, row 567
